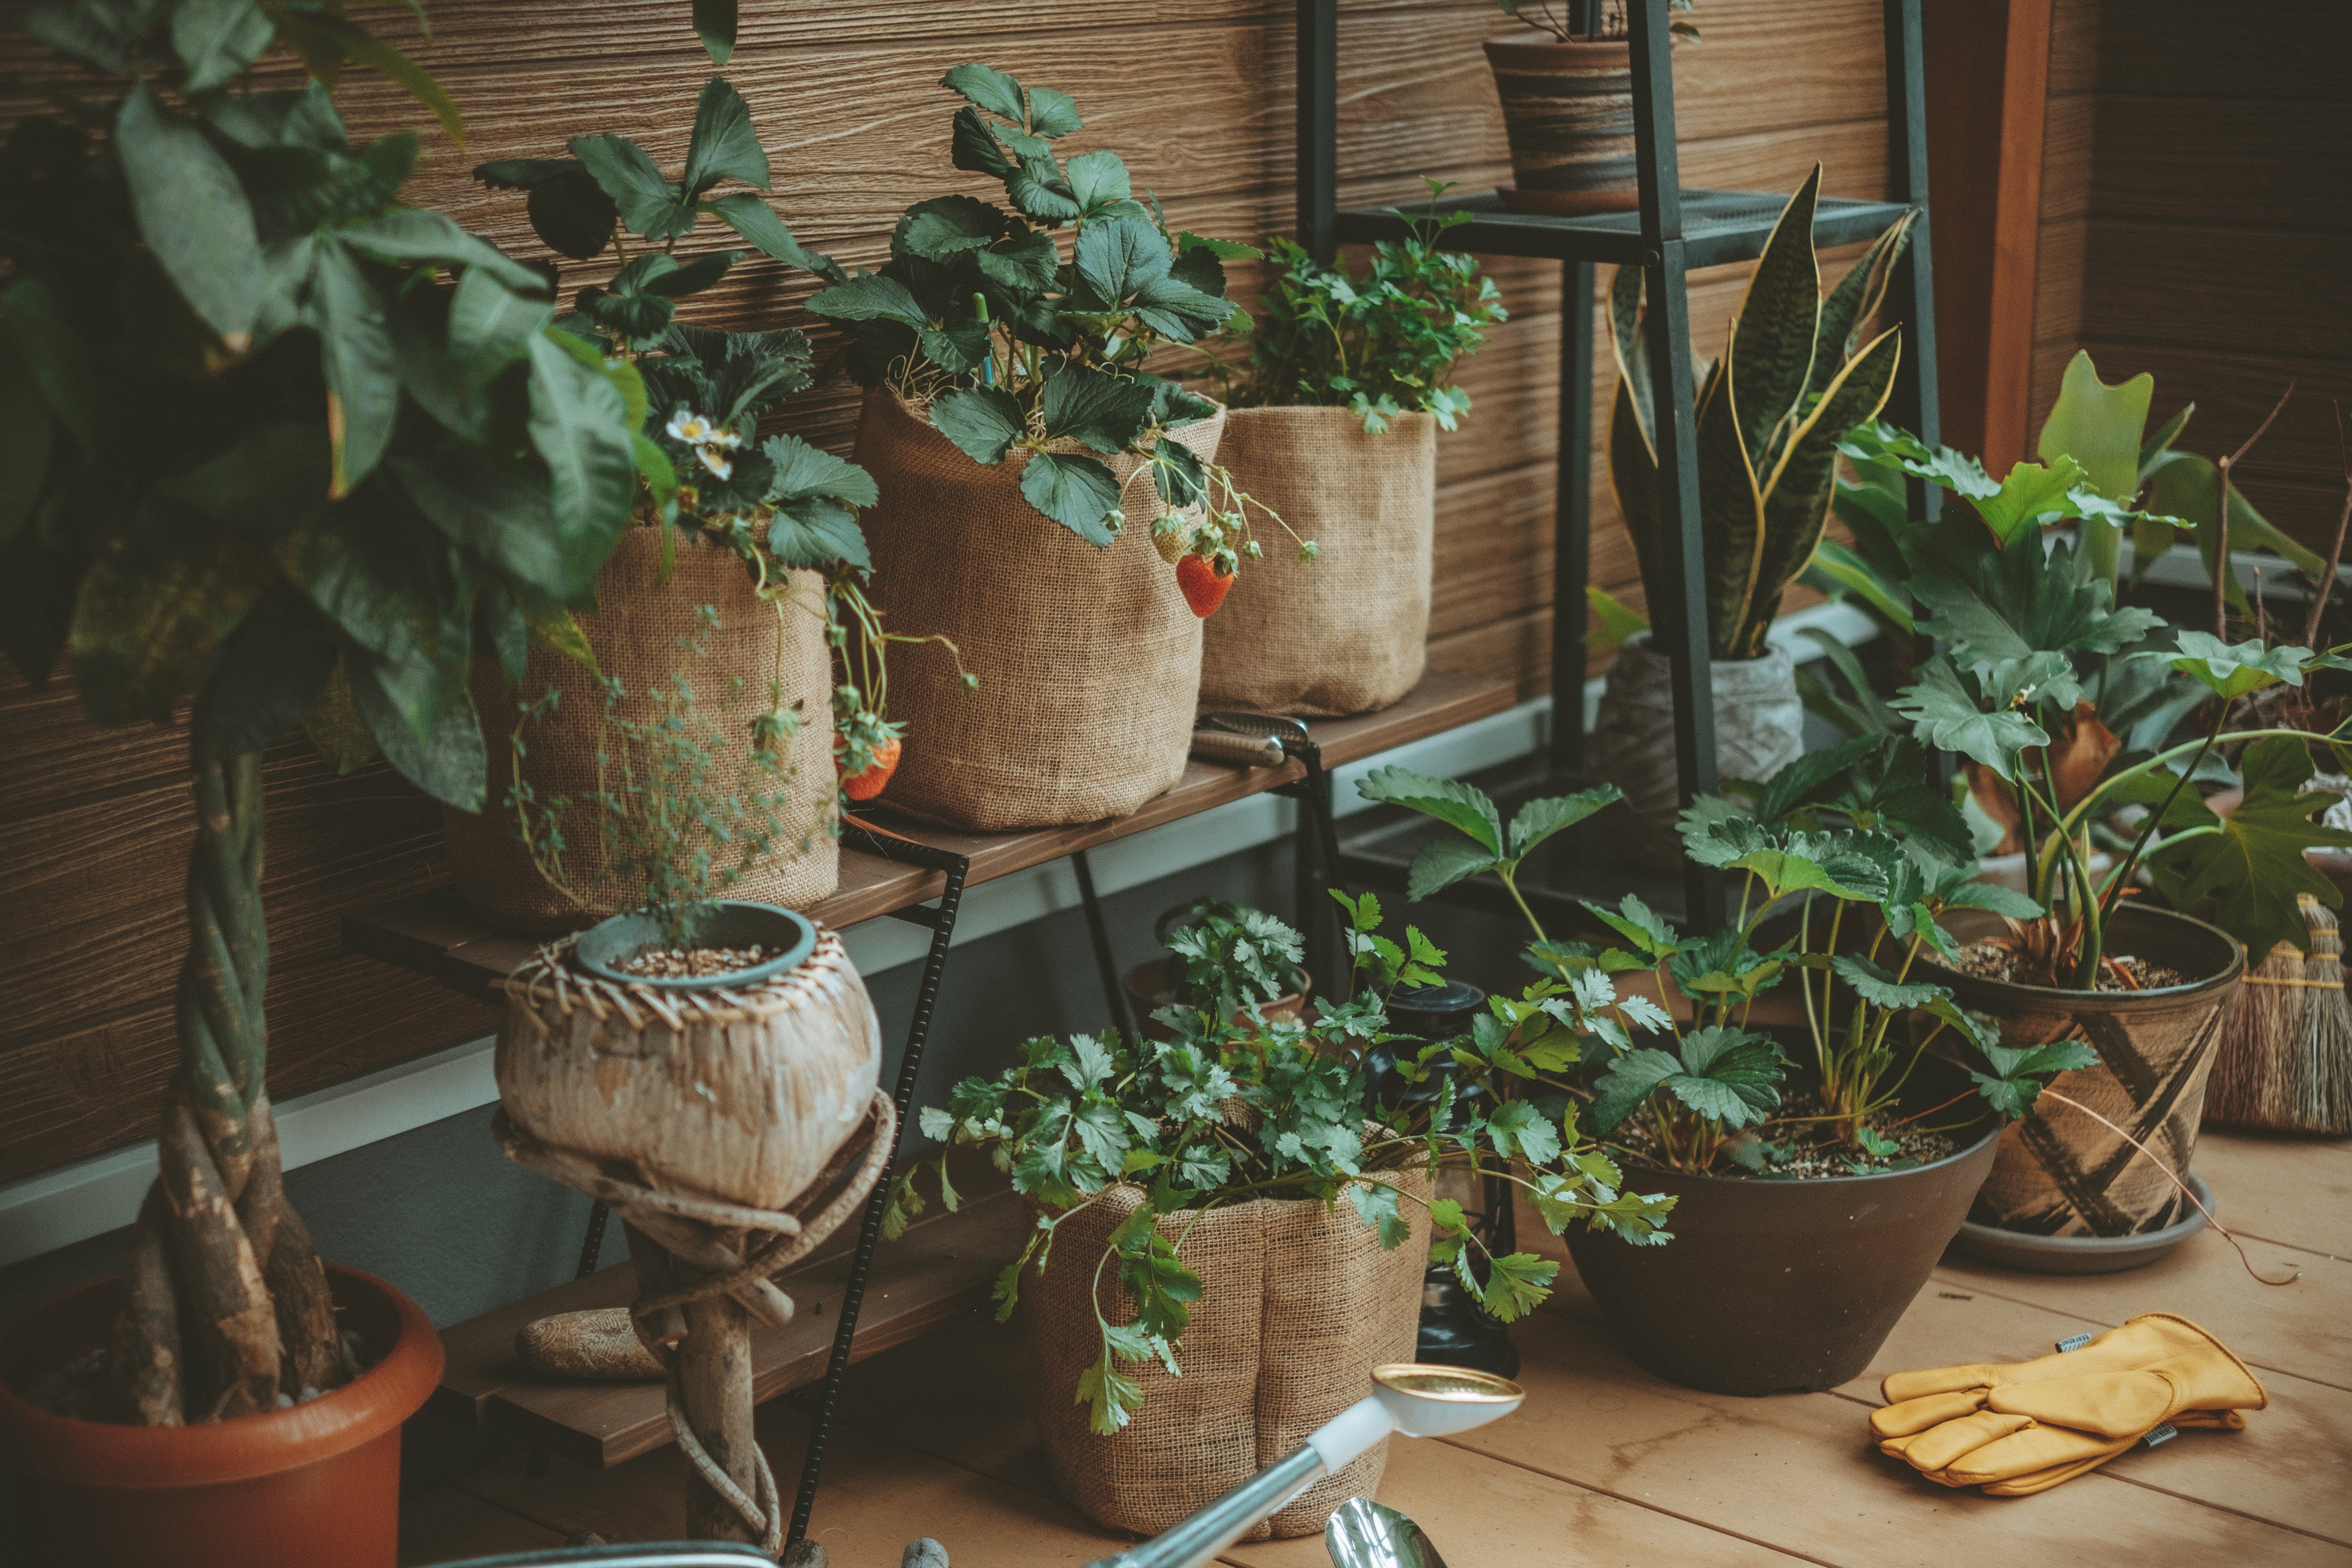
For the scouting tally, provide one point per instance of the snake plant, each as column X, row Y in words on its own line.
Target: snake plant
column 1770, row 412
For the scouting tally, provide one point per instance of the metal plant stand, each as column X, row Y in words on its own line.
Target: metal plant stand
column 1674, row 231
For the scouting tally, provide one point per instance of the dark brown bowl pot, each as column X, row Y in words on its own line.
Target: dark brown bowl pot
column 2059, row 1172
column 313, row 1486
column 1147, row 992
column 1774, row 1286
column 1567, row 109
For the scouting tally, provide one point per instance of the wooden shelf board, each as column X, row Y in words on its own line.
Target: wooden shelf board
column 438, row 933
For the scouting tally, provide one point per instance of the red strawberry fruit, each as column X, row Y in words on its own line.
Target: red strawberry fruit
column 1205, row 584
column 876, row 776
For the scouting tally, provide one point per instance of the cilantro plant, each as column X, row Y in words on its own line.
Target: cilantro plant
column 979, row 323
column 1380, row 345
column 2033, row 646
column 1230, row 1111
column 1857, row 825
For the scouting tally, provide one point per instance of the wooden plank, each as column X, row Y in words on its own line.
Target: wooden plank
column 445, row 1524
column 2170, row 50
column 2250, row 163
column 2192, row 285
column 2280, row 1187
column 931, row 1273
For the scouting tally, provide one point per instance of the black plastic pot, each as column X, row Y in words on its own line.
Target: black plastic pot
column 2060, row 1173
column 1772, row 1286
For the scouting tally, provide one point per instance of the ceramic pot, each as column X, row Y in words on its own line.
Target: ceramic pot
column 313, row 1486
column 1148, row 991
column 1760, row 729
column 2059, row 1172
column 1777, row 1285
column 1567, row 109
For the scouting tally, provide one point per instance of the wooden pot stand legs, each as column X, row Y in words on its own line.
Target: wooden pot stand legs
column 705, row 1271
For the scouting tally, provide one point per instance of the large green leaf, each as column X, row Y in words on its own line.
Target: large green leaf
column 580, row 426
column 502, row 513
column 1946, row 716
column 724, row 146
column 368, row 575
column 989, row 88
column 946, row 227
column 216, row 39
column 1540, row 819
column 418, row 234
column 2184, row 485
column 1104, row 412
column 1464, row 806
column 48, row 350
column 1731, row 517
column 983, row 421
column 1115, row 258
column 268, row 673
column 445, row 756
column 2232, row 670
column 2244, row 875
column 147, row 620
column 714, row 24
column 193, row 214
column 648, row 203
column 491, row 327
column 803, row 472
column 267, row 480
column 1774, row 335
column 1079, row 493
column 869, row 297
column 359, row 45
column 355, row 350
column 1441, row 862
column 2099, row 426
column 1856, row 299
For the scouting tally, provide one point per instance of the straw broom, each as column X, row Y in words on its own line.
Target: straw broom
column 2285, row 1055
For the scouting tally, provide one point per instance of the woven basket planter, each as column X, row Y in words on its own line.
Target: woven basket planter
column 1298, row 1303
column 1345, row 633
column 1567, row 109
column 634, row 633
column 1088, row 658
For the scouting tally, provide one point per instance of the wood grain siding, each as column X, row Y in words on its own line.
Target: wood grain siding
column 1200, row 99
column 2197, row 203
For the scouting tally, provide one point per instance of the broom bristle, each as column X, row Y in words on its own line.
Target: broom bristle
column 2285, row 1055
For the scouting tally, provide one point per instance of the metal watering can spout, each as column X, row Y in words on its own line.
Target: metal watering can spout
column 1418, row 1400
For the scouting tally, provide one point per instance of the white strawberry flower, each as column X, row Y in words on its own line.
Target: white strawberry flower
column 718, row 464
column 689, row 427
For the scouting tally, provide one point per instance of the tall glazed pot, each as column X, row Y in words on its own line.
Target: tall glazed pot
column 1346, row 632
column 1770, row 1285
column 313, row 1486
column 2061, row 1172
column 635, row 631
column 1298, row 1303
column 1087, row 656
column 1760, row 729
column 1567, row 109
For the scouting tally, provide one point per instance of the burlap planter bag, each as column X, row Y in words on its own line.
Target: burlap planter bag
column 1298, row 1303
column 635, row 632
column 1088, row 658
column 1347, row 632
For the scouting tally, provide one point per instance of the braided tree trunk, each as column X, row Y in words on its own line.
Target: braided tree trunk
column 227, row 1308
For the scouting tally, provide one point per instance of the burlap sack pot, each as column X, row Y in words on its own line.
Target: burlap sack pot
column 635, row 631
column 1088, row 659
column 1298, row 1303
column 1347, row 632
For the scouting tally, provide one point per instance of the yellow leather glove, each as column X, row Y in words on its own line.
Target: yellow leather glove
column 2024, row 1428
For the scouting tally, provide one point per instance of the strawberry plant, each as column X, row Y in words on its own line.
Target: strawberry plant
column 1238, row 1106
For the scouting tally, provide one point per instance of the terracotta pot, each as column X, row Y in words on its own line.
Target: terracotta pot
column 1779, row 1285
column 1568, row 108
column 315, row 1486
column 1148, row 991
column 2059, row 1172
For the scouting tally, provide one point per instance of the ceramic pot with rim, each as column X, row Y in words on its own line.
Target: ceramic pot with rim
column 1567, row 109
column 1776, row 1285
column 2059, row 1172
column 316, row 1485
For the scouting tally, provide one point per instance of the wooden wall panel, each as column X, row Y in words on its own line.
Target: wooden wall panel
column 2197, row 197
column 1198, row 98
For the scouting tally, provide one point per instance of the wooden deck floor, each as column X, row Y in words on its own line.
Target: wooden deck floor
column 1606, row 1465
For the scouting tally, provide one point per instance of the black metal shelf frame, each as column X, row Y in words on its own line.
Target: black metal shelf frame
column 1672, row 231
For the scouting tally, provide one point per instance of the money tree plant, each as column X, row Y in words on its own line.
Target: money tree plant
column 273, row 441
column 1237, row 1105
column 978, row 321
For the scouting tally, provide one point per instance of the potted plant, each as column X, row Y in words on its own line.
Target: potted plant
column 1765, row 463
column 764, row 532
column 1568, row 107
column 1812, row 1195
column 1332, row 424
column 1027, row 466
column 2028, row 628
column 310, row 523
column 1224, row 957
column 1193, row 1293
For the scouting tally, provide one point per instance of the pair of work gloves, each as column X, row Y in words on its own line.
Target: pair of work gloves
column 2023, row 1427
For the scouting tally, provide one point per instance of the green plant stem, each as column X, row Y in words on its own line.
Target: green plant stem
column 1507, row 871
column 2119, row 879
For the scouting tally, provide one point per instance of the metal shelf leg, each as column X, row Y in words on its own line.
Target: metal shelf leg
column 1571, row 559
column 943, row 923
column 1105, row 961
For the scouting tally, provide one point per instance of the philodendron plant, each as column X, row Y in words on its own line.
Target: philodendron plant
column 2034, row 647
column 977, row 321
column 1238, row 1106
column 274, row 441
column 1858, row 828
column 1771, row 412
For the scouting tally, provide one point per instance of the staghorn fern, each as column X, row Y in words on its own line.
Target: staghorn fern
column 1770, row 414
